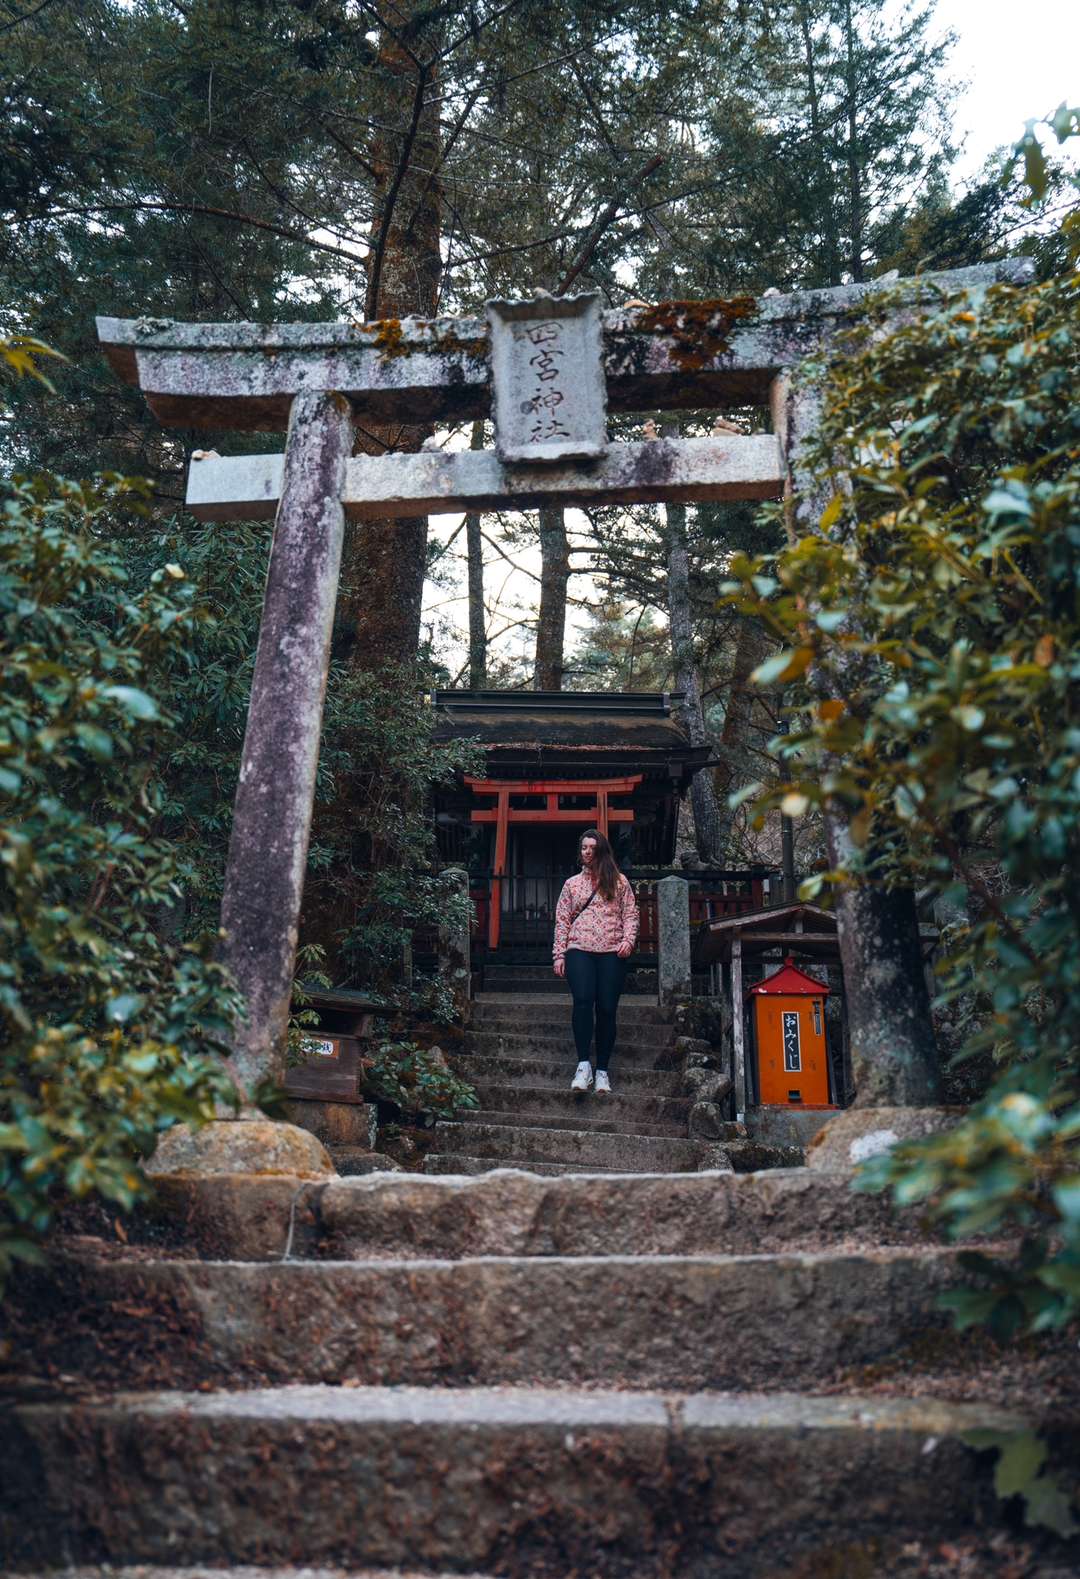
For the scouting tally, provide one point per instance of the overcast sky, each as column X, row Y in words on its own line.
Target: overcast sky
column 1019, row 58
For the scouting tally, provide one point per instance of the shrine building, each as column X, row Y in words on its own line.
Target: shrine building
column 559, row 762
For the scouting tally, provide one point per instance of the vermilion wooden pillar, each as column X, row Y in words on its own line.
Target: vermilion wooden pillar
column 601, row 814
column 502, row 829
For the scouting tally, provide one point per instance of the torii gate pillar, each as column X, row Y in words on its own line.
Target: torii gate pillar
column 268, row 846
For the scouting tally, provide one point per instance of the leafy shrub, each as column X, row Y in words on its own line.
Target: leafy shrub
column 416, row 1080
column 373, row 854
column 106, row 1023
column 931, row 630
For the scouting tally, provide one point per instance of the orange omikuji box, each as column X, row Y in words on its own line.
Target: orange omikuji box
column 789, row 1034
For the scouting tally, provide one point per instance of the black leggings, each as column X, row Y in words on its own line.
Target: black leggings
column 596, row 980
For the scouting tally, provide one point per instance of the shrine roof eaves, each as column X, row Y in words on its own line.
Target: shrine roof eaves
column 566, row 722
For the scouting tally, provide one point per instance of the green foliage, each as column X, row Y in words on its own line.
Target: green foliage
column 931, row 631
column 108, row 1022
column 1022, row 1471
column 374, row 876
column 416, row 1080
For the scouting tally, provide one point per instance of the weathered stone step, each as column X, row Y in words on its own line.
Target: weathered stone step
column 155, row 1571
column 517, row 984
column 639, row 1052
column 642, row 1214
column 629, row 1103
column 642, row 1010
column 456, row 1166
column 673, row 1322
column 264, row 1217
column 485, row 1067
column 593, row 1116
column 520, row 1480
column 625, row 1153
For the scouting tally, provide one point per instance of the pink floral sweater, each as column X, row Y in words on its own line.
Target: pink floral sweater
column 603, row 927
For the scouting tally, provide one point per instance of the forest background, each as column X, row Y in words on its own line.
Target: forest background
column 321, row 160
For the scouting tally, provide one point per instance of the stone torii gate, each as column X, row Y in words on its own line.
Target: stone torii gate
column 548, row 370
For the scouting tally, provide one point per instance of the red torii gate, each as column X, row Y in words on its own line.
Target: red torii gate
column 600, row 814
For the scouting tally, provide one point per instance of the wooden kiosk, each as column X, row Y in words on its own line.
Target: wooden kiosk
column 791, row 1056
column 752, row 958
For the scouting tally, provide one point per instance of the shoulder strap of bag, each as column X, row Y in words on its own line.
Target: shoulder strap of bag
column 581, row 911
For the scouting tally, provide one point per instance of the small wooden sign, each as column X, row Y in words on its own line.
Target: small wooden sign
column 331, row 1072
column 550, row 394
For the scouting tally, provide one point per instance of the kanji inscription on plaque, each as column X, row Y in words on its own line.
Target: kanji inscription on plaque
column 550, row 395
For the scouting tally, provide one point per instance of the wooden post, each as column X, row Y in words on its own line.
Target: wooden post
column 673, row 965
column 455, row 966
column 738, row 1022
column 502, row 826
column 264, row 874
column 602, row 812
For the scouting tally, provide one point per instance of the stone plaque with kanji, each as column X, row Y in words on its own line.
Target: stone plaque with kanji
column 550, row 395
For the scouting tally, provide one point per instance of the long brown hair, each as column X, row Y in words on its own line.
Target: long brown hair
column 607, row 873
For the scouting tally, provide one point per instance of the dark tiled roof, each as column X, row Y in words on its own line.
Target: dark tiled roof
column 569, row 720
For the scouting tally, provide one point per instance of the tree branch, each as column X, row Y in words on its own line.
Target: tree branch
column 136, row 206
column 26, row 16
column 603, row 220
column 390, row 202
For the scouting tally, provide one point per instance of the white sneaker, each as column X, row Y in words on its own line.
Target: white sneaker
column 582, row 1076
column 603, row 1084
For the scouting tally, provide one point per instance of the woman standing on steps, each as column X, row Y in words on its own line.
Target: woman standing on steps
column 596, row 924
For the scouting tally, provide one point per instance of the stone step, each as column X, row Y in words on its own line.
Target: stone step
column 557, row 1073
column 594, row 1117
column 266, row 1217
column 155, row 1571
column 641, row 981
column 672, row 1322
column 633, row 1009
column 744, row 1158
column 629, row 1103
column 521, row 1480
column 456, row 1167
column 509, row 1214
column 546, row 984
column 624, row 1153
column 517, row 983
column 541, row 1042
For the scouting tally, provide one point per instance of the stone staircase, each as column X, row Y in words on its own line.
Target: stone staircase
column 519, row 1054
column 615, row 1376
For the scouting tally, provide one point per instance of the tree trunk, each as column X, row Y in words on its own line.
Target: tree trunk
column 751, row 648
column 551, row 624
column 894, row 1052
column 474, row 548
column 891, row 1033
column 385, row 561
column 817, row 132
column 855, row 199
column 708, row 822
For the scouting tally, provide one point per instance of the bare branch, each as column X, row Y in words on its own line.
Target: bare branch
column 137, row 205
column 26, row 16
column 390, row 201
column 605, row 218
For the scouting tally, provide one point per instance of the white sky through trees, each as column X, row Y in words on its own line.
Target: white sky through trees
column 1014, row 62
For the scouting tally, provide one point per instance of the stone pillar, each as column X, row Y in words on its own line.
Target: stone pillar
column 673, row 939
column 455, row 964
column 264, row 876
